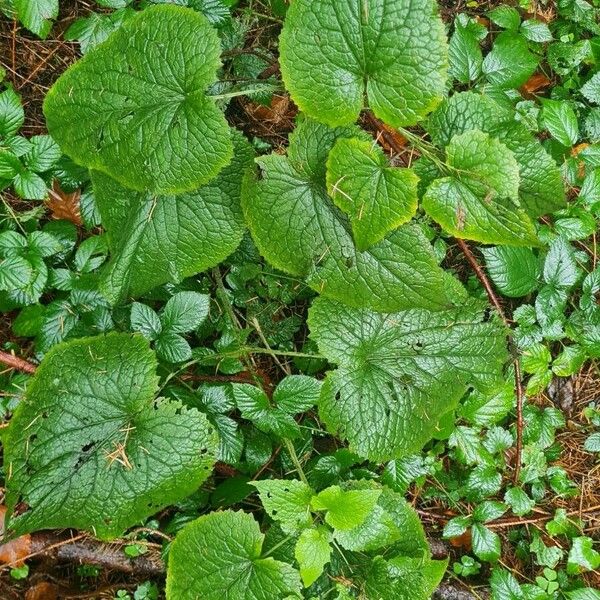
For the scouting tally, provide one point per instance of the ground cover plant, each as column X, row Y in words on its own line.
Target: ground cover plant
column 299, row 299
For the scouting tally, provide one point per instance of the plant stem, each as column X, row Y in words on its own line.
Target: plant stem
column 292, row 452
column 14, row 362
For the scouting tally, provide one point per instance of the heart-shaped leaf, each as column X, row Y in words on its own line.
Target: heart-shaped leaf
column 91, row 448
column 135, row 107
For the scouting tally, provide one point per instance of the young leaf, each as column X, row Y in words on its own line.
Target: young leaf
column 399, row 373
column 90, row 448
column 477, row 201
column 219, row 556
column 37, row 15
column 185, row 311
column 312, row 553
column 12, row 115
column 518, row 500
column 464, row 53
column 145, row 320
column 346, row 509
column 297, row 393
column 515, row 271
column 334, row 53
column 377, row 198
column 172, row 347
column 486, row 543
column 156, row 239
column 559, row 118
column 510, row 63
column 582, row 556
column 298, row 229
column 506, row 17
column 286, row 501
column 135, row 107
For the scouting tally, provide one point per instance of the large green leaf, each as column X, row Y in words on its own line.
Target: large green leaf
column 478, row 200
column 336, row 52
column 90, row 448
column 135, row 107
column 399, row 373
column 220, row 556
column 298, row 228
column 377, row 198
column 156, row 239
column 541, row 190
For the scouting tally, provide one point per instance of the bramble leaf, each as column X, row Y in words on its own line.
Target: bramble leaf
column 377, row 198
column 156, row 239
column 219, row 556
column 90, row 448
column 135, row 107
column 399, row 373
column 37, row 15
column 477, row 201
column 334, row 53
column 298, row 229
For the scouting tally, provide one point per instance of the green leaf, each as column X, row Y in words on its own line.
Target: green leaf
column 489, row 511
column 510, row 63
column 515, row 271
column 333, row 54
column 518, row 500
column 255, row 406
column 312, row 553
column 90, row 448
column 560, row 267
column 145, row 320
column 30, row 186
column 456, row 526
column 286, row 501
column 477, row 201
column 12, row 115
column 299, row 230
column 37, row 15
column 172, row 347
column 185, row 311
column 506, row 17
column 297, row 393
column 536, row 31
column 582, row 556
column 464, row 53
column 157, row 239
column 591, row 89
column 219, row 556
column 504, row 586
column 95, row 28
column 43, row 154
column 16, row 272
column 377, row 198
column 559, row 118
column 584, row 594
column 486, row 543
column 135, row 107
column 398, row 374
column 346, row 509
column 404, row 578
column 592, row 443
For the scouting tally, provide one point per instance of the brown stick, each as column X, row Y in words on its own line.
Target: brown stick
column 518, row 384
column 14, row 362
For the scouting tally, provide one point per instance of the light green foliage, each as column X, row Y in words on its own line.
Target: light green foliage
column 515, row 271
column 146, row 120
column 559, row 118
column 313, row 552
column 346, row 509
column 37, row 15
column 157, row 239
column 377, row 198
column 464, row 52
column 220, row 555
column 477, row 200
column 90, row 447
column 398, row 374
column 298, row 229
column 334, row 53
column 583, row 556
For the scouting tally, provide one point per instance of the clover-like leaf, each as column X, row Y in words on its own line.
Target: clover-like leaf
column 219, row 556
column 156, row 239
column 90, row 448
column 135, row 107
column 478, row 200
column 377, row 198
column 335, row 52
column 297, row 227
column 399, row 373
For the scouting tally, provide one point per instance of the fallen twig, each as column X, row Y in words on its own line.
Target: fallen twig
column 14, row 362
